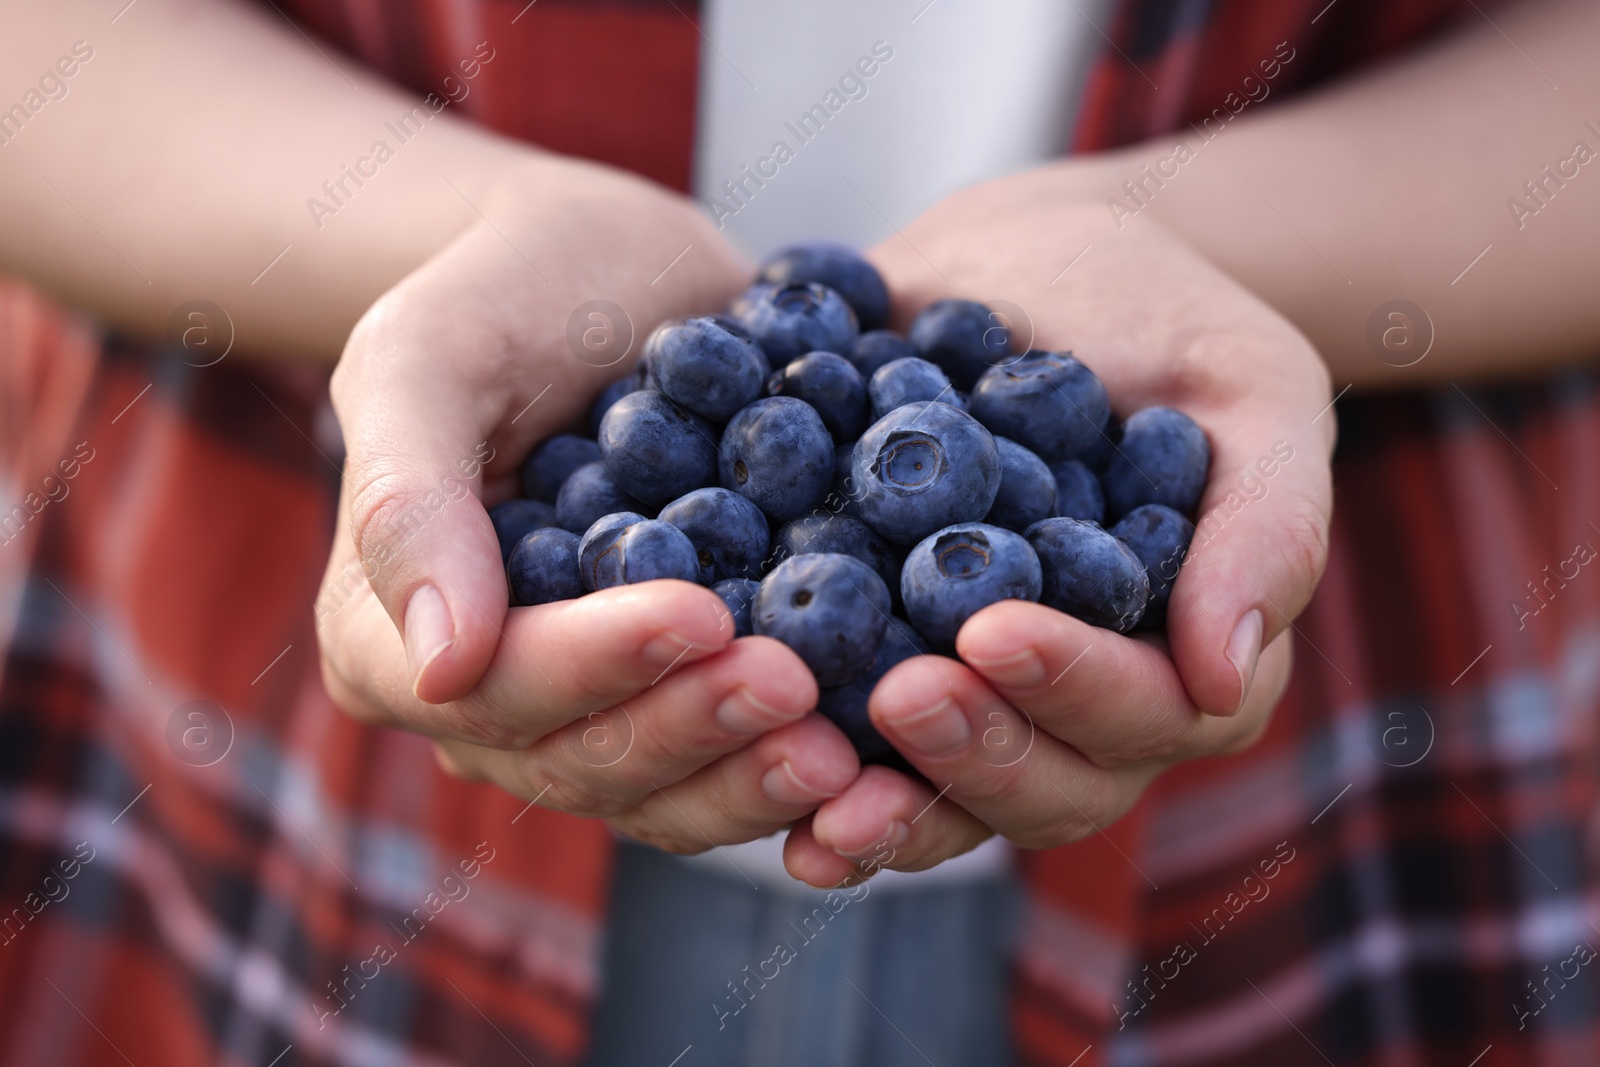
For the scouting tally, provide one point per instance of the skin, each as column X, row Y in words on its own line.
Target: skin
column 1161, row 326
column 444, row 290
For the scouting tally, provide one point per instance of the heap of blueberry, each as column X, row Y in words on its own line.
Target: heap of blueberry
column 859, row 495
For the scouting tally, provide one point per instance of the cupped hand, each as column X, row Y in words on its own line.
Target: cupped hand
column 1048, row 729
column 634, row 704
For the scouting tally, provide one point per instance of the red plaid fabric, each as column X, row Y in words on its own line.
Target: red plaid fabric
column 201, row 861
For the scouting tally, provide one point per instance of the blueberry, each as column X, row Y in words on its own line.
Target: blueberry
column 1089, row 574
column 735, row 327
column 1078, row 494
column 839, row 534
column 589, row 494
column 549, row 466
column 829, row 608
column 1098, row 455
column 906, row 381
column 1027, row 488
column 955, row 573
column 544, row 568
column 843, row 456
column 596, row 548
column 515, row 518
column 640, row 551
column 846, row 705
column 655, row 450
column 790, row 320
column 642, row 380
column 843, row 498
column 731, row 323
column 1047, row 401
column 608, row 396
column 876, row 347
column 838, row 267
column 704, row 368
column 923, row 467
column 738, row 594
column 746, row 301
column 1160, row 538
column 1162, row 458
column 777, row 454
column 728, row 532
column 962, row 337
column 831, row 384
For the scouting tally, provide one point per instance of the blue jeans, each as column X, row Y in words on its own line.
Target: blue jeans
column 899, row 978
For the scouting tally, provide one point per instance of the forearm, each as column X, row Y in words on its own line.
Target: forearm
column 192, row 148
column 1395, row 182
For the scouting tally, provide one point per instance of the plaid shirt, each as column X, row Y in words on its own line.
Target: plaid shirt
column 202, row 861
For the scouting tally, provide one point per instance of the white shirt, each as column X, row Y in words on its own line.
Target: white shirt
column 961, row 91
column 844, row 120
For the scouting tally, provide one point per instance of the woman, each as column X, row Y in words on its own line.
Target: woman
column 1368, row 880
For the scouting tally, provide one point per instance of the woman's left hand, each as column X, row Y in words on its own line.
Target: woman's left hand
column 1048, row 729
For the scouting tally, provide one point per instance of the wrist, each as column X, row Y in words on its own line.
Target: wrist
column 620, row 237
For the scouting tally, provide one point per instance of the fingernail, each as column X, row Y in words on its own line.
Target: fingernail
column 668, row 649
column 1022, row 670
column 429, row 630
column 897, row 834
column 1244, row 649
column 742, row 713
column 783, row 786
column 941, row 730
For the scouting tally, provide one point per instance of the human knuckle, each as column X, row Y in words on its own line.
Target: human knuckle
column 994, row 786
column 726, row 813
column 1312, row 373
column 349, row 698
column 1156, row 743
column 665, row 752
column 1190, row 369
column 1201, row 365
column 585, row 797
column 469, row 719
column 1304, row 532
column 385, row 506
column 1092, row 811
column 1049, row 835
column 1244, row 737
column 344, row 387
column 1051, row 827
column 366, row 349
column 649, row 832
column 454, row 764
column 631, row 775
column 1130, row 754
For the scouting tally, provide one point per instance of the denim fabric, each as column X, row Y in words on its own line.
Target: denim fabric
column 724, row 974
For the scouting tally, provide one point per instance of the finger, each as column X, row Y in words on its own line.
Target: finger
column 553, row 663
column 606, row 762
column 1260, row 544
column 992, row 759
column 810, row 861
column 411, row 507
column 751, row 793
column 817, row 865
column 1117, row 700
column 884, row 820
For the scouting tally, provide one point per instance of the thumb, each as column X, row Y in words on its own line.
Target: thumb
column 1259, row 547
column 426, row 545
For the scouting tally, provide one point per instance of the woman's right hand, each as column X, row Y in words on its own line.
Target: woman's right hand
column 634, row 704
